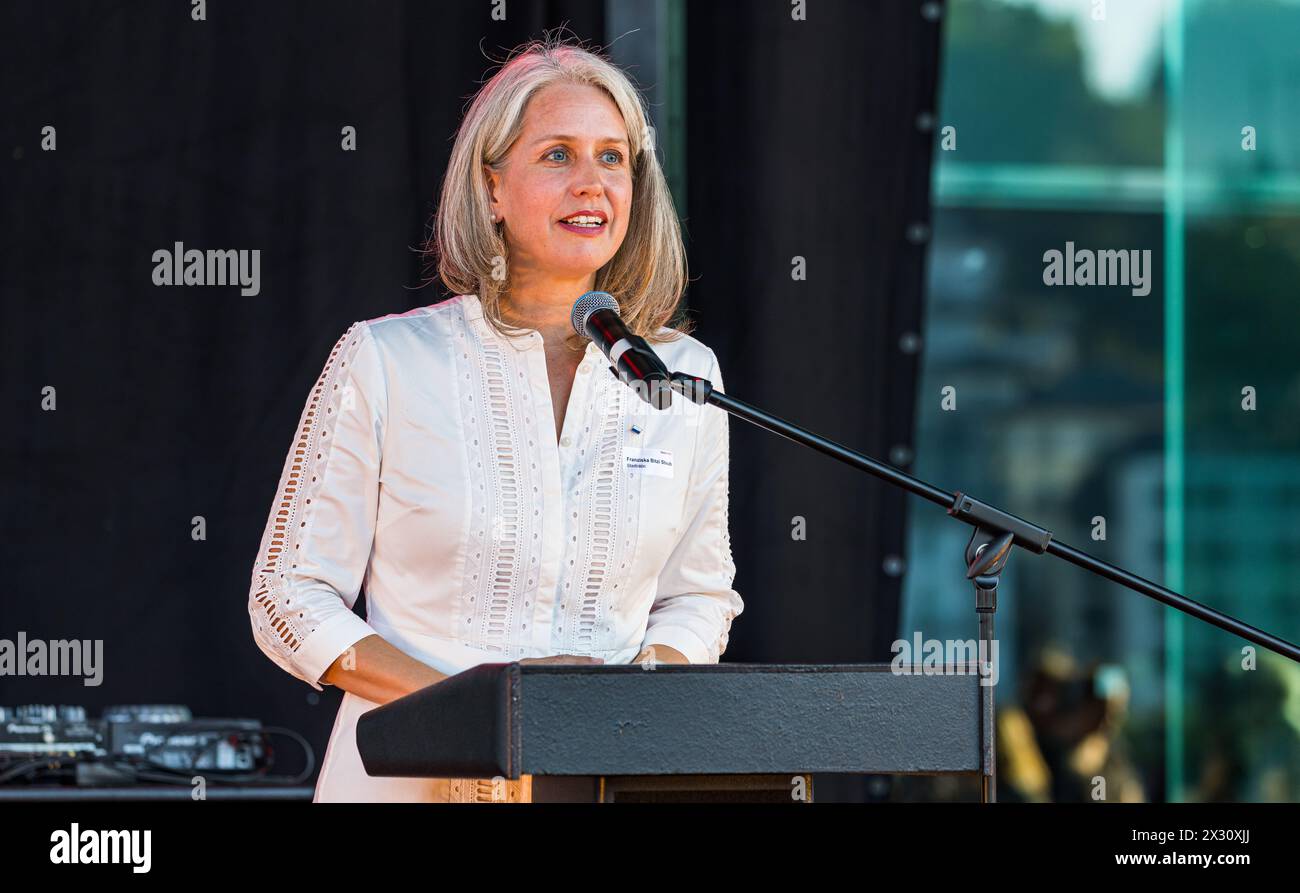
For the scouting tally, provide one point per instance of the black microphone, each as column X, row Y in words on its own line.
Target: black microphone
column 595, row 316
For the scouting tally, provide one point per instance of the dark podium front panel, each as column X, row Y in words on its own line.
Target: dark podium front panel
column 710, row 719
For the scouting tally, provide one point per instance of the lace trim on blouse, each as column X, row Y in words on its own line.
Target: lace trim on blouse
column 281, row 624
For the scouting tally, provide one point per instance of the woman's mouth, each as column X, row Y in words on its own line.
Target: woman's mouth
column 591, row 223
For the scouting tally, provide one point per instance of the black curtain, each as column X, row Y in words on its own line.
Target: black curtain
column 811, row 139
column 174, row 403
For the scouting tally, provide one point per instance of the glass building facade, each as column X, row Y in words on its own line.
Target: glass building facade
column 1155, row 425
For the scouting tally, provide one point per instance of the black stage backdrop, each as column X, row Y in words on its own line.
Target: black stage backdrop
column 175, row 406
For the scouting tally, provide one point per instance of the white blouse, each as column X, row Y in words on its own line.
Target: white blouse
column 426, row 470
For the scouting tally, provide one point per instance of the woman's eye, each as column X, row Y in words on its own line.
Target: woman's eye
column 609, row 156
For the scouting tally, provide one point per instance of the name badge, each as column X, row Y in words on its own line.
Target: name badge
column 658, row 463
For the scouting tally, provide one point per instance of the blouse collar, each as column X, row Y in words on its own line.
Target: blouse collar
column 473, row 309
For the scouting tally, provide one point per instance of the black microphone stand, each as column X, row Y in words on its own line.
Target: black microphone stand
column 987, row 552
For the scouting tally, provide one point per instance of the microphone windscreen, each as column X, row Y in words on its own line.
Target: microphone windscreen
column 587, row 305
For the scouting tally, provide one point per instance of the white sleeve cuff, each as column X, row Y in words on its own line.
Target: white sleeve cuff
column 681, row 638
column 333, row 637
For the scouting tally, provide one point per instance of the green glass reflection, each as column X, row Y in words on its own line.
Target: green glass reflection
column 1172, row 415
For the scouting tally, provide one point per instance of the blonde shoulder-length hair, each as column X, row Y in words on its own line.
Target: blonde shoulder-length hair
column 647, row 276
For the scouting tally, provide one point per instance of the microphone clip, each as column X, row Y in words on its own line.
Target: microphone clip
column 692, row 387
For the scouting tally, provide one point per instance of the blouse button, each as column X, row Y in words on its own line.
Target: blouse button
column 584, row 368
column 565, row 441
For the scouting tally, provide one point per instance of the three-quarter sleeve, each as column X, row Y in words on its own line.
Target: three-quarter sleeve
column 317, row 543
column 694, row 603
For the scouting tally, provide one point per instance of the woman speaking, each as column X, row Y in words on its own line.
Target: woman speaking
column 475, row 466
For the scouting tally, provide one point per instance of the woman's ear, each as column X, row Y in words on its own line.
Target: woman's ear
column 493, row 182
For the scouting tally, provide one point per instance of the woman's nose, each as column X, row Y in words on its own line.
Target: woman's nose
column 587, row 179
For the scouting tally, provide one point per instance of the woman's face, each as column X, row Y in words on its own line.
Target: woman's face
column 570, row 157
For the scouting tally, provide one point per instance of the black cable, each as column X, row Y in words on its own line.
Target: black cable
column 22, row 769
column 226, row 775
column 156, row 771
